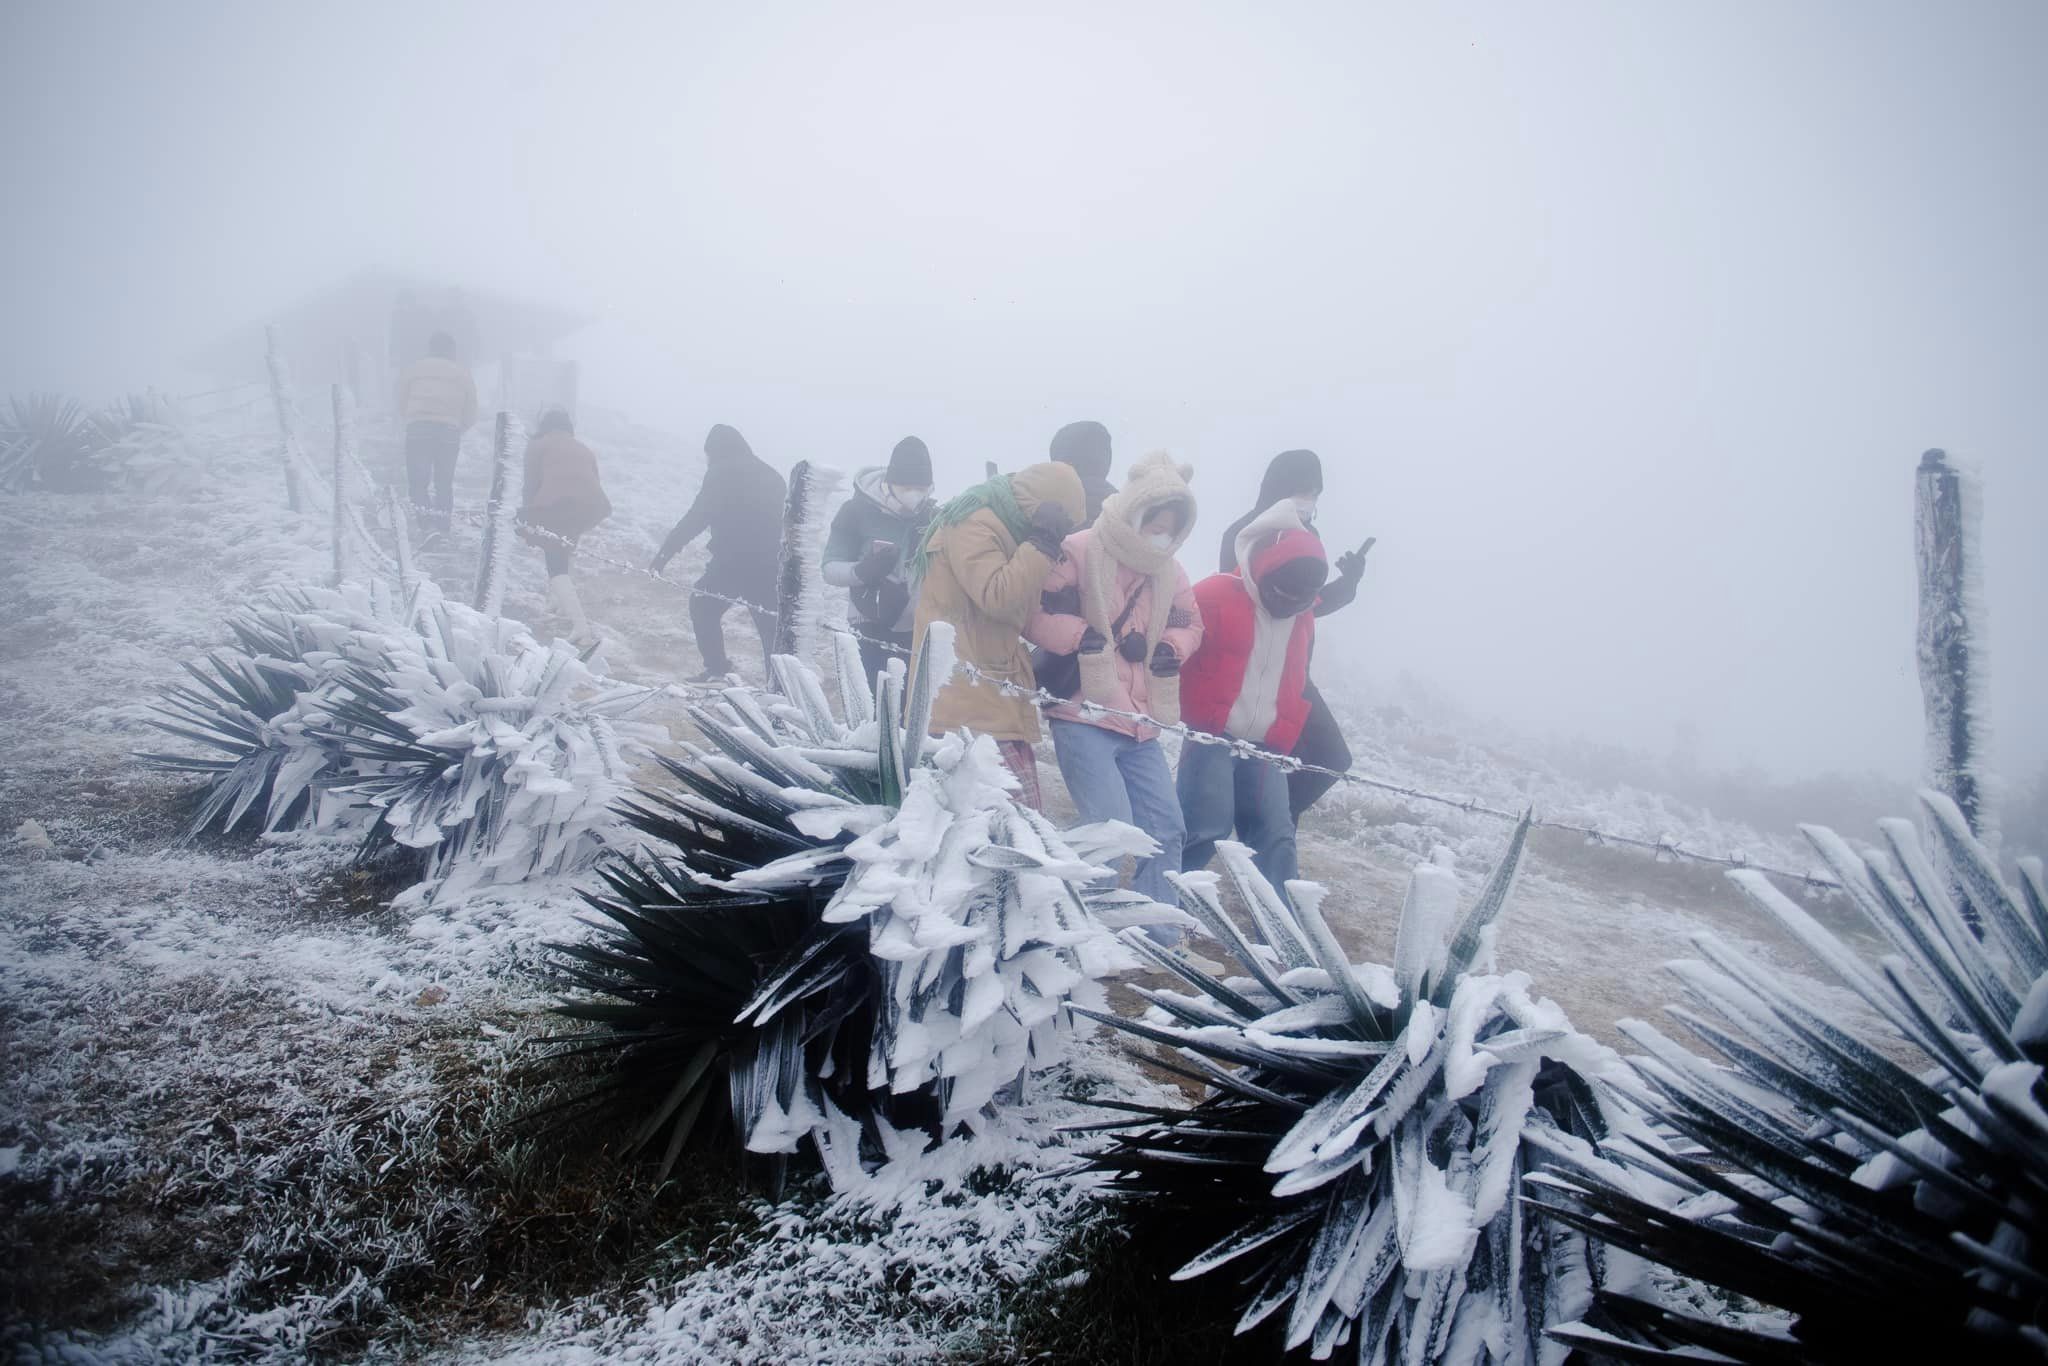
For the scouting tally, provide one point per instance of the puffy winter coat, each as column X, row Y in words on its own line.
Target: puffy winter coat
column 870, row 515
column 1061, row 633
column 562, row 492
column 1248, row 657
column 981, row 579
column 740, row 504
column 437, row 389
column 1111, row 574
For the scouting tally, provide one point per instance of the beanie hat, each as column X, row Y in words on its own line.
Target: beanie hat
column 1292, row 474
column 910, row 464
column 1085, row 446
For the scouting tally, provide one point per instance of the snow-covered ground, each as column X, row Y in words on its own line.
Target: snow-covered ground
column 251, row 1111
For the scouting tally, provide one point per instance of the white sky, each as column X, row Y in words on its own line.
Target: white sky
column 1621, row 326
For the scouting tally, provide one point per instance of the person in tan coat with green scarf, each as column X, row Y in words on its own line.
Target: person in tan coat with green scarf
column 981, row 567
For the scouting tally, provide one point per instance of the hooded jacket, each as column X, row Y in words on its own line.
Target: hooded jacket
column 986, row 583
column 437, row 389
column 740, row 503
column 1114, row 573
column 1290, row 474
column 872, row 515
column 1249, row 680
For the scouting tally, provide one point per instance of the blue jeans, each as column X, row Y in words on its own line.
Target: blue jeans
column 1115, row 778
column 1220, row 791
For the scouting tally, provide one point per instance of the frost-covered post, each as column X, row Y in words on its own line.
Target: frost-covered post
column 1947, row 513
column 799, row 585
column 408, row 577
column 287, row 413
column 344, row 448
column 490, row 569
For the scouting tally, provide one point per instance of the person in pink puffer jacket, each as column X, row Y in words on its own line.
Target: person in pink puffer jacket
column 1121, row 604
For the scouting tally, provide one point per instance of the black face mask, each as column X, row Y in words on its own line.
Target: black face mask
column 1291, row 589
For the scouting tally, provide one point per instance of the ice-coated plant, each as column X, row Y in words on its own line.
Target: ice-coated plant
column 1889, row 1194
column 421, row 723
column 859, row 931
column 56, row 444
column 1355, row 1162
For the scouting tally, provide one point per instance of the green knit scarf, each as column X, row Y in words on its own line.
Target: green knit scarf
column 995, row 495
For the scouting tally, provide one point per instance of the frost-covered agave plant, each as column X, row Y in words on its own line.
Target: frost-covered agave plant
column 1891, row 1195
column 861, row 932
column 53, row 443
column 423, row 723
column 1355, row 1163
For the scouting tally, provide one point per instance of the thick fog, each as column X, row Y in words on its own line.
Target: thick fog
column 1620, row 326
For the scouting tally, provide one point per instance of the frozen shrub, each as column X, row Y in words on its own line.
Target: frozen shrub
column 1890, row 1194
column 1355, row 1163
column 424, row 724
column 860, row 931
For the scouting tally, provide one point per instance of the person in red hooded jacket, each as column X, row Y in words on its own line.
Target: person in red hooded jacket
column 1249, row 681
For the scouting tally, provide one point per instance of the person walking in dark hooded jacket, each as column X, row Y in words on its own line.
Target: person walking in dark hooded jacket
column 868, row 552
column 740, row 504
column 1297, row 477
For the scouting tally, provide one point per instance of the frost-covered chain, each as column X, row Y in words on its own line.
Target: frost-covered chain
column 1662, row 848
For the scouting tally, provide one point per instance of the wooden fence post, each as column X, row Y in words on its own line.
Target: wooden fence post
column 287, row 415
column 490, row 569
column 344, row 447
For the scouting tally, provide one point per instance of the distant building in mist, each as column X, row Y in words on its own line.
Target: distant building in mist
column 360, row 330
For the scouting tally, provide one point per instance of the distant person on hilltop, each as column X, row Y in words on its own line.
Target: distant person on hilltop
column 740, row 504
column 437, row 402
column 562, row 499
column 1296, row 477
column 1249, row 681
column 1085, row 446
column 869, row 550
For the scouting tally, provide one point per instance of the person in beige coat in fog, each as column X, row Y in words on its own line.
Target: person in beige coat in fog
column 437, row 402
column 981, row 566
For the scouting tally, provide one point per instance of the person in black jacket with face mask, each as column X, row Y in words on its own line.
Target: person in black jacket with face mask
column 740, row 504
column 1298, row 476
column 868, row 551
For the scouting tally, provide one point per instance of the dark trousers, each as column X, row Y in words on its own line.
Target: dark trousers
column 724, row 579
column 430, row 449
column 1322, row 743
column 877, row 647
column 557, row 557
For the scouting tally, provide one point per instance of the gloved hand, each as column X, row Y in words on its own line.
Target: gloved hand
column 1093, row 641
column 1165, row 661
column 1061, row 602
column 1132, row 648
column 877, row 563
column 1351, row 563
column 1049, row 526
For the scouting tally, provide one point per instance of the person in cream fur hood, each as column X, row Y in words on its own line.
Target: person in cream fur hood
column 1120, row 602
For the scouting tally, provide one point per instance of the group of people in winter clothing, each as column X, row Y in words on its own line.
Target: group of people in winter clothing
column 1054, row 580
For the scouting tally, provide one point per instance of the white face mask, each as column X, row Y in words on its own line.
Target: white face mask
column 1159, row 541
column 1305, row 508
column 908, row 499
